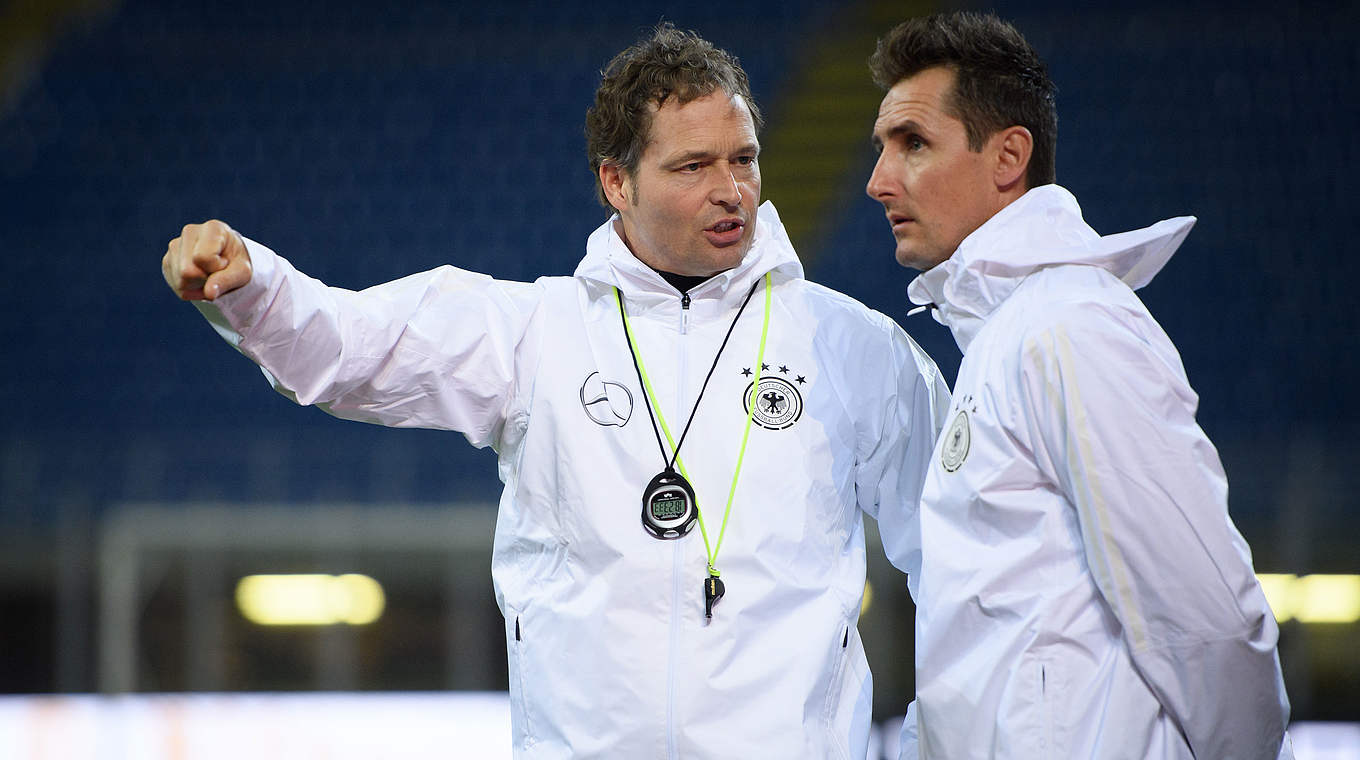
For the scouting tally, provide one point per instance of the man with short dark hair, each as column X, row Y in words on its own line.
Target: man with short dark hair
column 1083, row 592
column 686, row 375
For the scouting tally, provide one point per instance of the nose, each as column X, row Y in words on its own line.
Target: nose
column 880, row 186
column 726, row 189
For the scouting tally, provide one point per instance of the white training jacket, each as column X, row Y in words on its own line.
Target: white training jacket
column 608, row 648
column 1084, row 593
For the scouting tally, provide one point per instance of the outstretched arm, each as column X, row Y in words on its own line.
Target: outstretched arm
column 435, row 349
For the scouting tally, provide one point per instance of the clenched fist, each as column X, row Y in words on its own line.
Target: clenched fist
column 205, row 261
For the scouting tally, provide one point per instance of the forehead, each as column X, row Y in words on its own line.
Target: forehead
column 922, row 98
column 716, row 122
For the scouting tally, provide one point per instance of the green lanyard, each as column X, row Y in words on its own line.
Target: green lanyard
column 711, row 549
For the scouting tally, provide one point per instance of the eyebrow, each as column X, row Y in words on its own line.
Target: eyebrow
column 702, row 155
column 897, row 130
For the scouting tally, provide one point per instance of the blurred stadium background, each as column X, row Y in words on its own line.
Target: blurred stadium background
column 146, row 468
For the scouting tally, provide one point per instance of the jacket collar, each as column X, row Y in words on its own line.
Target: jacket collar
column 1042, row 228
column 609, row 261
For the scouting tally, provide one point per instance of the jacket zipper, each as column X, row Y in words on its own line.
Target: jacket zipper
column 677, row 564
column 677, row 572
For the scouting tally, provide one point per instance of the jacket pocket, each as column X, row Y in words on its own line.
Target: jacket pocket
column 1033, row 715
column 847, row 708
column 1045, row 713
column 521, row 727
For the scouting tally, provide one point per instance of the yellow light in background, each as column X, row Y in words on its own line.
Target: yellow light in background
column 1278, row 589
column 310, row 599
column 1328, row 598
column 1313, row 598
column 868, row 600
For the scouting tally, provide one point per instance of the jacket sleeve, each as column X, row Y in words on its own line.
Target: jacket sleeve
column 1112, row 418
column 897, row 443
column 435, row 349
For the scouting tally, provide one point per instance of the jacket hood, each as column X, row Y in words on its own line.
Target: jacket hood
column 609, row 261
column 1043, row 228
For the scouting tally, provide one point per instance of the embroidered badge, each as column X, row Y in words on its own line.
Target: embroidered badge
column 957, row 439
column 606, row 403
column 778, row 404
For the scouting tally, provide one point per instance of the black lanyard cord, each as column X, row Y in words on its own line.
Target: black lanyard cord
column 670, row 462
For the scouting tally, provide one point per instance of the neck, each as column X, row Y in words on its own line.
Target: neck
column 682, row 282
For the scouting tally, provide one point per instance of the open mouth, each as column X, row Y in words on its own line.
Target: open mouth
column 724, row 233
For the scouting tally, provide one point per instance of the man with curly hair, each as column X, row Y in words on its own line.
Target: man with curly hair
column 686, row 376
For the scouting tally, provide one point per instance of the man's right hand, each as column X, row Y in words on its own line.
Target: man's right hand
column 205, row 261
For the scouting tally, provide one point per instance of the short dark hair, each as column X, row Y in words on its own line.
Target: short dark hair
column 671, row 63
column 999, row 80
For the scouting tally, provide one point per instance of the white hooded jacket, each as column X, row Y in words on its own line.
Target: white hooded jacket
column 609, row 652
column 1084, row 593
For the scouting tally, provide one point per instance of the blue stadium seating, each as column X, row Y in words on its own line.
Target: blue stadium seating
column 369, row 141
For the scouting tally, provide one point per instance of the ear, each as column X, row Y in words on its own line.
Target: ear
column 1014, row 146
column 614, row 182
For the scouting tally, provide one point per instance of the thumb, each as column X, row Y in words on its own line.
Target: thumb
column 236, row 273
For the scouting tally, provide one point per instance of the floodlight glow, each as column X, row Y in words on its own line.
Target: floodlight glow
column 1313, row 598
column 310, row 599
column 1329, row 598
column 1278, row 588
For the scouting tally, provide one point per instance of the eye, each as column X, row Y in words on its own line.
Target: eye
column 691, row 167
column 745, row 160
column 915, row 143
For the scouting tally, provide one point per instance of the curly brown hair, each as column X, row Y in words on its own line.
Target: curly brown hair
column 999, row 79
column 671, row 63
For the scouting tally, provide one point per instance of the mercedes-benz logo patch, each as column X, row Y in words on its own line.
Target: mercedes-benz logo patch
column 954, row 448
column 606, row 403
column 778, row 404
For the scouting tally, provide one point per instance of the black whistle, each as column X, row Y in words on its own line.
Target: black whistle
column 713, row 591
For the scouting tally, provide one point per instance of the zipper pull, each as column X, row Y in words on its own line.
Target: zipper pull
column 684, row 313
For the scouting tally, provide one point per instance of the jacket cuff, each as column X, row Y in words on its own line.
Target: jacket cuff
column 233, row 314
